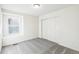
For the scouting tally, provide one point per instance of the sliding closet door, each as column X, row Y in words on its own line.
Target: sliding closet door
column 49, row 29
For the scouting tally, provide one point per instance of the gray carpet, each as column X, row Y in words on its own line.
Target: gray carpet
column 37, row 46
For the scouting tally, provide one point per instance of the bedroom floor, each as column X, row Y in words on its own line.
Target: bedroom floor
column 37, row 46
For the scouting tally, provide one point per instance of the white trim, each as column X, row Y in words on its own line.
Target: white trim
column 4, row 13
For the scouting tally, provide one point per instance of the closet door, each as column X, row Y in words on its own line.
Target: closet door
column 49, row 29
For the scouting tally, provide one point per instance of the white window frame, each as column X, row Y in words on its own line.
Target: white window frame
column 21, row 28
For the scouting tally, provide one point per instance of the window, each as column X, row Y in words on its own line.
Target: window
column 13, row 24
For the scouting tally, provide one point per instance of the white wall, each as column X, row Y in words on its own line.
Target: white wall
column 61, row 26
column 30, row 29
column 0, row 29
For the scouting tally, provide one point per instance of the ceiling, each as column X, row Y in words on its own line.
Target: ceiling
column 28, row 8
